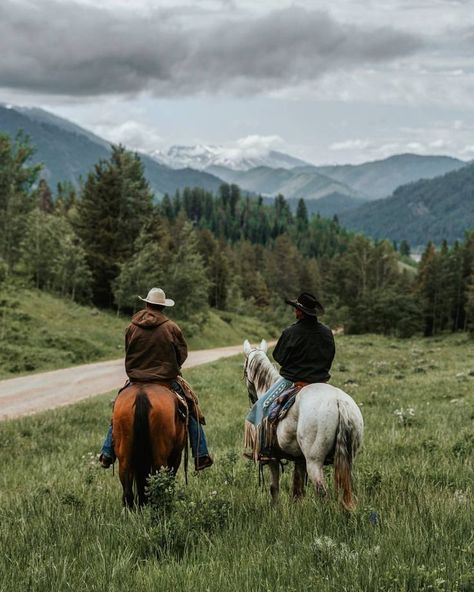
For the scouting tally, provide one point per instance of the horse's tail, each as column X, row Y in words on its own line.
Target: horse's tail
column 347, row 443
column 141, row 451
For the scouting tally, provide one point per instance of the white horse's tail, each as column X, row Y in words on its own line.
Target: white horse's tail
column 348, row 441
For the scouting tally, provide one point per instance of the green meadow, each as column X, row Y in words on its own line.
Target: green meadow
column 62, row 526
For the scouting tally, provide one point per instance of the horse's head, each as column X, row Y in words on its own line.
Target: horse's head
column 257, row 369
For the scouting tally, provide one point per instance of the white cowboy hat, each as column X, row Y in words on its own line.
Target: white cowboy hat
column 157, row 296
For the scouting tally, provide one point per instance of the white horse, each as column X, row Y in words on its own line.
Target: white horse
column 324, row 426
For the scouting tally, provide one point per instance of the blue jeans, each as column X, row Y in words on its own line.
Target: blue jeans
column 108, row 445
column 197, row 437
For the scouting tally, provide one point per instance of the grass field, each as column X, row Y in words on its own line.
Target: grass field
column 40, row 332
column 62, row 526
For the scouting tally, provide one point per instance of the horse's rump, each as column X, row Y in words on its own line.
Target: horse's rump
column 149, row 432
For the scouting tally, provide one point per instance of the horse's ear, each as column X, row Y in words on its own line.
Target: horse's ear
column 247, row 347
column 264, row 346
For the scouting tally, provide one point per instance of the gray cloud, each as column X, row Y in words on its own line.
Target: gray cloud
column 76, row 50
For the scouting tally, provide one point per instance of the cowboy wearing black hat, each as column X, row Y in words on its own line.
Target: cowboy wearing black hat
column 306, row 349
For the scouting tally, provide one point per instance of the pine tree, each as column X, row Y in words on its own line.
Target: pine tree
column 405, row 248
column 428, row 288
column 45, row 197
column 115, row 203
column 166, row 207
column 301, row 217
column 217, row 265
column 468, row 282
column 17, row 178
column 283, row 217
column 66, row 198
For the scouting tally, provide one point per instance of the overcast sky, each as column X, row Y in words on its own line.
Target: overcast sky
column 334, row 81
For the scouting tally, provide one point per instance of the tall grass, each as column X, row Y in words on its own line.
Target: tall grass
column 62, row 525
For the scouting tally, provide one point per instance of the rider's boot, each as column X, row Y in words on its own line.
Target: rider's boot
column 107, row 454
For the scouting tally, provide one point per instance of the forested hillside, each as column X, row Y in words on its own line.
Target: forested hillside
column 68, row 152
column 436, row 209
column 111, row 241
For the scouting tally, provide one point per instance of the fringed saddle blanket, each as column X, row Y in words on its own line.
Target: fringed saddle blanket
column 261, row 422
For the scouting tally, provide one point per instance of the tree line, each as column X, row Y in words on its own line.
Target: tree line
column 111, row 240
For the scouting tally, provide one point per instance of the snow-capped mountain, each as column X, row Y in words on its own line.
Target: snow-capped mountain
column 240, row 158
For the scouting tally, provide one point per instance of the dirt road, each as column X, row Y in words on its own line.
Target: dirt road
column 37, row 392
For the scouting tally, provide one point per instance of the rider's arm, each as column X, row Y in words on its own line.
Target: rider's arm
column 281, row 349
column 180, row 346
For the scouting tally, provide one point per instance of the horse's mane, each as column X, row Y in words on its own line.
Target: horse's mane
column 261, row 371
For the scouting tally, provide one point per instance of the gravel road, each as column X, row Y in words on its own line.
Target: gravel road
column 37, row 392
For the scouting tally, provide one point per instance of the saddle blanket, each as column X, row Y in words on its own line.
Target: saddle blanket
column 264, row 416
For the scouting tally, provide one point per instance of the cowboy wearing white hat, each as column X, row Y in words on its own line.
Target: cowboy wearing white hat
column 155, row 350
column 158, row 297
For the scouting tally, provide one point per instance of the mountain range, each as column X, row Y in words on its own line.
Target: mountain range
column 68, row 152
column 380, row 178
column 417, row 209
column 243, row 158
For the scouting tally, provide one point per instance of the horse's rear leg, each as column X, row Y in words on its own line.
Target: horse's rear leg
column 316, row 475
column 299, row 475
column 275, row 484
column 126, row 479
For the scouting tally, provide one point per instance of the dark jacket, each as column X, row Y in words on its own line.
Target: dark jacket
column 305, row 351
column 155, row 348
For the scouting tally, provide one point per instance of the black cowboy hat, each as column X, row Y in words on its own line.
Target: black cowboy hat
column 307, row 303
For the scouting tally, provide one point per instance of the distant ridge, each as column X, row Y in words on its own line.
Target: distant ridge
column 435, row 209
column 299, row 182
column 380, row 178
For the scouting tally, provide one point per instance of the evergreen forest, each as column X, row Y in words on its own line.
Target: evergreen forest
column 110, row 241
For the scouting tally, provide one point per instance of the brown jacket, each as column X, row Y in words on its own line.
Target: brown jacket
column 155, row 348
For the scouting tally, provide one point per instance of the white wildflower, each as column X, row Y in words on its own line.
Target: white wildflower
column 460, row 496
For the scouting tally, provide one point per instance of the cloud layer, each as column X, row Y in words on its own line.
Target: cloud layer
column 73, row 49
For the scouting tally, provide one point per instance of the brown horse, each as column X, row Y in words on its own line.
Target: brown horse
column 149, row 433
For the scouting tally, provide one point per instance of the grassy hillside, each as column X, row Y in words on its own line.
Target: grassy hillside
column 437, row 209
column 41, row 332
column 62, row 526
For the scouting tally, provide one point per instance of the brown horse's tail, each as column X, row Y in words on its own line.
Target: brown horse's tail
column 141, row 452
column 347, row 443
